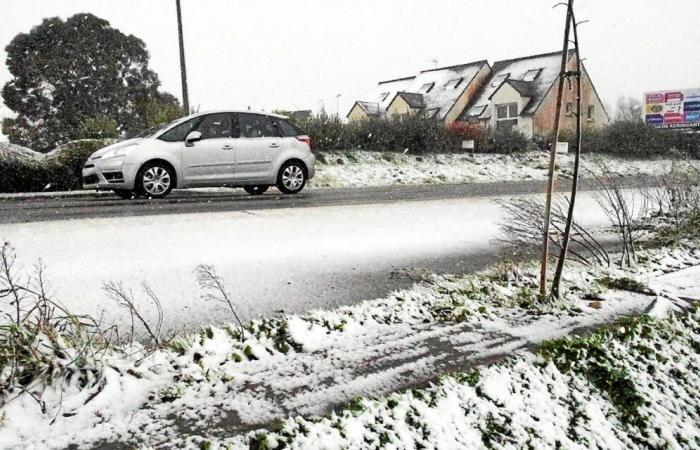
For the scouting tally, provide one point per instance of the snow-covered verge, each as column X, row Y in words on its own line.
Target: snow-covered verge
column 363, row 168
column 634, row 385
column 215, row 385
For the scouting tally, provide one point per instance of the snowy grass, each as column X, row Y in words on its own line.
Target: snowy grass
column 363, row 168
column 199, row 376
column 633, row 385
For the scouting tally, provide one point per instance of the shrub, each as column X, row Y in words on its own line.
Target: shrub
column 415, row 134
column 59, row 170
column 634, row 139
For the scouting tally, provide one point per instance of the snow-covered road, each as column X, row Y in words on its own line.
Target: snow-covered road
column 279, row 259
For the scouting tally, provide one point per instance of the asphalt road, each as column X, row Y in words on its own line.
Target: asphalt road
column 336, row 248
column 29, row 208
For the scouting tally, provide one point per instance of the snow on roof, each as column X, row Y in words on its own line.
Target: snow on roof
column 448, row 85
column 513, row 71
column 414, row 100
column 370, row 108
column 385, row 91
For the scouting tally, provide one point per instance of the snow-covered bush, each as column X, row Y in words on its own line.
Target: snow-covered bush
column 60, row 169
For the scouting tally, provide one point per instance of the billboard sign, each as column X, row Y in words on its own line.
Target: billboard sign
column 673, row 109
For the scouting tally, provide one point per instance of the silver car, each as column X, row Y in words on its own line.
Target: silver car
column 224, row 148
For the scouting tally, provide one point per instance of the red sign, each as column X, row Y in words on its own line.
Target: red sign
column 674, row 97
column 656, row 98
column 671, row 118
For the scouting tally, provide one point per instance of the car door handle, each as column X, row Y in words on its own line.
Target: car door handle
column 274, row 145
column 227, row 147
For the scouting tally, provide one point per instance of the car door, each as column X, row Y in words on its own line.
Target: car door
column 211, row 160
column 257, row 147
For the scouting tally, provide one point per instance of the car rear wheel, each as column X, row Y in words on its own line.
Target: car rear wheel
column 125, row 193
column 291, row 178
column 155, row 180
column 256, row 190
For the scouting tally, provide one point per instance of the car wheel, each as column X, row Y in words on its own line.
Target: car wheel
column 256, row 190
column 125, row 193
column 291, row 178
column 155, row 180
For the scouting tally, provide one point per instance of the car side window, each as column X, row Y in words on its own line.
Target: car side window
column 256, row 125
column 215, row 126
column 286, row 128
column 179, row 132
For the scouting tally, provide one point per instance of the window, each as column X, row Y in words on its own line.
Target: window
column 454, row 84
column 507, row 115
column 427, row 87
column 478, row 110
column 383, row 96
column 507, row 111
column 179, row 132
column 569, row 108
column 591, row 113
column 286, row 128
column 507, row 124
column 532, row 75
column 215, row 126
column 255, row 126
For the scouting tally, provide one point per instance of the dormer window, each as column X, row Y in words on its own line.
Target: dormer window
column 454, row 83
column 531, row 75
column 478, row 110
column 499, row 79
column 427, row 87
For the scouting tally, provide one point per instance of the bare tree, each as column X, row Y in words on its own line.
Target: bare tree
column 523, row 224
column 125, row 298
column 627, row 211
column 214, row 289
column 628, row 109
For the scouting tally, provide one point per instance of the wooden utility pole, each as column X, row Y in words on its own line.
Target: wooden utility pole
column 183, row 69
column 577, row 74
column 553, row 152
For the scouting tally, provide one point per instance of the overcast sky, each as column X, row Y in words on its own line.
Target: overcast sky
column 299, row 54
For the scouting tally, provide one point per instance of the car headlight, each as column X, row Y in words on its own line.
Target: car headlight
column 116, row 152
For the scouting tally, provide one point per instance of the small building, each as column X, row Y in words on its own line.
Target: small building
column 521, row 94
column 517, row 93
column 440, row 93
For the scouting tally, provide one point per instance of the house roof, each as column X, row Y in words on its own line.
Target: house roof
column 414, row 100
column 442, row 96
column 370, row 108
column 512, row 71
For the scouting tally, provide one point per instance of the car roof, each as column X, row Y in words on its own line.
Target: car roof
column 202, row 113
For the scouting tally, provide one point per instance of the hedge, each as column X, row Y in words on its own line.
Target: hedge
column 58, row 171
column 636, row 139
column 412, row 134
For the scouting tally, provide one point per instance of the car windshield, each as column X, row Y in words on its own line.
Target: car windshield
column 156, row 129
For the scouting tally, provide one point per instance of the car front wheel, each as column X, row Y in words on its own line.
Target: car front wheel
column 291, row 178
column 155, row 180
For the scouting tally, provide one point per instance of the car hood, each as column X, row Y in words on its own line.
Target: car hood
column 123, row 144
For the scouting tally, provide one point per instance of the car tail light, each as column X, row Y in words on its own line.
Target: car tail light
column 307, row 140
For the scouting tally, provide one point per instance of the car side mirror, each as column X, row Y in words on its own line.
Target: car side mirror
column 193, row 137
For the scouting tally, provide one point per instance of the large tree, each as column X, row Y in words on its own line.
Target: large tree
column 68, row 72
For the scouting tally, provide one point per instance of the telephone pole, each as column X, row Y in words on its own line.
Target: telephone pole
column 183, row 69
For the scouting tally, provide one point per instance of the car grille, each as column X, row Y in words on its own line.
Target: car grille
column 91, row 179
column 114, row 177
